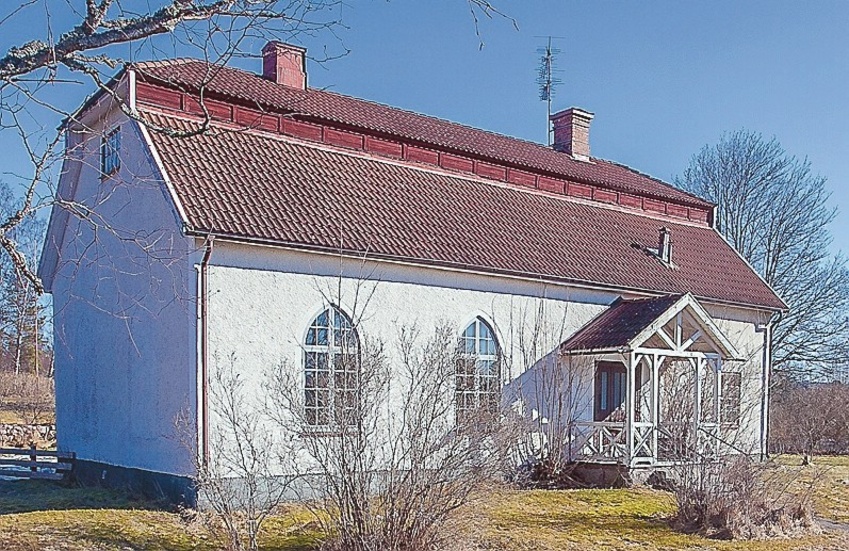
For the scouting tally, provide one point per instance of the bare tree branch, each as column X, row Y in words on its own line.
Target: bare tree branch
column 775, row 212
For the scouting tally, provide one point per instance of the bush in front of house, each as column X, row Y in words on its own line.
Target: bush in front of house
column 738, row 498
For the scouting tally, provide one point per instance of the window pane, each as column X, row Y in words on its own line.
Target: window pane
column 110, row 146
column 323, row 379
column 487, row 368
column 331, row 369
column 603, row 390
column 323, row 319
column 322, row 398
column 477, row 375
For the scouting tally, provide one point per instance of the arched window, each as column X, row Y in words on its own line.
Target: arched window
column 478, row 373
column 331, row 370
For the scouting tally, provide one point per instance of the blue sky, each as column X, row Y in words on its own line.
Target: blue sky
column 663, row 78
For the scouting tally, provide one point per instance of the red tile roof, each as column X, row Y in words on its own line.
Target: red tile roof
column 615, row 327
column 251, row 90
column 259, row 186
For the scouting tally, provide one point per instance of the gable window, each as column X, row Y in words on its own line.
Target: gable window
column 110, row 148
column 731, row 397
column 478, row 372
column 331, row 371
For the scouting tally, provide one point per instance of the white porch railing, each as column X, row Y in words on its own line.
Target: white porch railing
column 604, row 441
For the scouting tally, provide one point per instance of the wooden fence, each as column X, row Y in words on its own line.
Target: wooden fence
column 36, row 464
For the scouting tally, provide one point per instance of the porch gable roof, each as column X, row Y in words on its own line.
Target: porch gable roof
column 629, row 324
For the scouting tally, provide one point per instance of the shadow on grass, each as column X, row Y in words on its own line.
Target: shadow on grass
column 24, row 496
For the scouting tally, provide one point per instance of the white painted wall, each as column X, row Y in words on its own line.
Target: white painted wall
column 124, row 314
column 263, row 299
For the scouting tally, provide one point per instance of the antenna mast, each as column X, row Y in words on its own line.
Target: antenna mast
column 547, row 81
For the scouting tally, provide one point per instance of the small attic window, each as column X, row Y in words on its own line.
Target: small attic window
column 110, row 148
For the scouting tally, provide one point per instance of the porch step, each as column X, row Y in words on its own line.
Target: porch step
column 602, row 475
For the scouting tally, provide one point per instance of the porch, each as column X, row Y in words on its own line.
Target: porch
column 661, row 389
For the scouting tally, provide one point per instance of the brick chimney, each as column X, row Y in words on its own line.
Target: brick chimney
column 285, row 64
column 572, row 132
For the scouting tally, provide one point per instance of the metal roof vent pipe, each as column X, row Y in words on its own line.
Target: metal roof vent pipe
column 664, row 246
column 285, row 64
column 572, row 132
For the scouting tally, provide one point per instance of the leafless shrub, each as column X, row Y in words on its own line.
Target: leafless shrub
column 737, row 498
column 31, row 398
column 393, row 465
column 721, row 491
column 240, row 479
column 557, row 391
column 549, row 396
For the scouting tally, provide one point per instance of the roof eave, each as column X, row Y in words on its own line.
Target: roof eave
column 542, row 278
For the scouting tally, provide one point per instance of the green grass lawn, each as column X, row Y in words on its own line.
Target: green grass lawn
column 36, row 515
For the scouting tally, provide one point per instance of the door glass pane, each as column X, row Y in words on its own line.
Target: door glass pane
column 603, row 390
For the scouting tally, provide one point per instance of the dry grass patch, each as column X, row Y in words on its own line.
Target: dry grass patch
column 547, row 520
column 36, row 515
column 42, row 515
column 827, row 478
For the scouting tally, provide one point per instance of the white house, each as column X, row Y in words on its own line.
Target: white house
column 170, row 247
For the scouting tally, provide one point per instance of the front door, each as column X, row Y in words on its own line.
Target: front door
column 610, row 385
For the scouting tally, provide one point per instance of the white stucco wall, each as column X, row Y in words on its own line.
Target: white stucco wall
column 124, row 314
column 263, row 299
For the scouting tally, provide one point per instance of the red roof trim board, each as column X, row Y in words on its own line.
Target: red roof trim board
column 305, row 195
column 327, row 109
column 345, row 138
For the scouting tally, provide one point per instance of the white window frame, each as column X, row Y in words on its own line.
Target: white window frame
column 324, row 389
column 110, row 152
column 482, row 387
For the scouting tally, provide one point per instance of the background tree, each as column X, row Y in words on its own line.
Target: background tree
column 810, row 418
column 775, row 212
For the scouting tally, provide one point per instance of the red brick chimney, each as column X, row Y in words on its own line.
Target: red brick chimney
column 572, row 132
column 285, row 64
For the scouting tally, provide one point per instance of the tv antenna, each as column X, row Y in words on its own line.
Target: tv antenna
column 547, row 79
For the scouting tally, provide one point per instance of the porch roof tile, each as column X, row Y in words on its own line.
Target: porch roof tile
column 619, row 324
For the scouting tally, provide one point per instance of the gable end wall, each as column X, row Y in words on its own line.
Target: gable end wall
column 124, row 316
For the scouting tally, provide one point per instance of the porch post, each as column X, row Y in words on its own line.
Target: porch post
column 655, row 403
column 717, row 391
column 697, row 405
column 630, row 391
